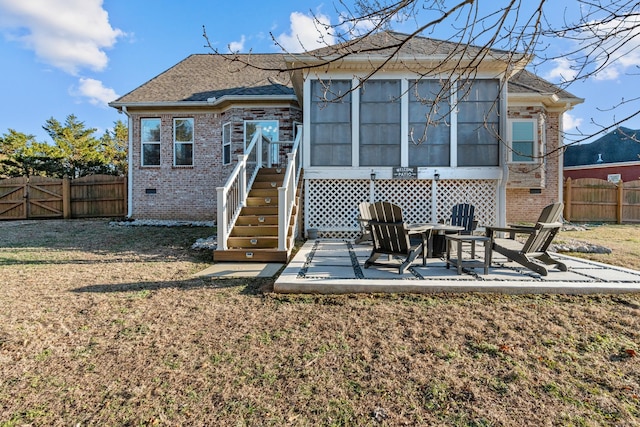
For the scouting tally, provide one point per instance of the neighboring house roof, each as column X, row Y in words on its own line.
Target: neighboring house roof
column 199, row 78
column 620, row 145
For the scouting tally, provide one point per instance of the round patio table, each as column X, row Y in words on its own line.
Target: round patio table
column 435, row 239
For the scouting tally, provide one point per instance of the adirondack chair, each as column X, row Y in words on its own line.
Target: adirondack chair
column 462, row 215
column 390, row 236
column 363, row 219
column 533, row 253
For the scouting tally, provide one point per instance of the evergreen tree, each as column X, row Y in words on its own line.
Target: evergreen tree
column 114, row 144
column 22, row 155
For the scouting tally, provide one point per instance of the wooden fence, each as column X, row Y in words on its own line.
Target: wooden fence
column 592, row 199
column 39, row 197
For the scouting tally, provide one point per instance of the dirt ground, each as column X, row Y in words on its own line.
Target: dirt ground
column 103, row 325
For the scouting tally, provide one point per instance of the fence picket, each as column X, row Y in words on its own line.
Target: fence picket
column 43, row 197
column 592, row 199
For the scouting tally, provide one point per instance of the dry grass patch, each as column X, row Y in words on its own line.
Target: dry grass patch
column 106, row 326
column 623, row 240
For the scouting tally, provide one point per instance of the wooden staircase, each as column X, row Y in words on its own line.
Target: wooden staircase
column 254, row 236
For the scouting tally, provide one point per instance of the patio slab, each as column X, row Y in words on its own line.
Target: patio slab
column 337, row 266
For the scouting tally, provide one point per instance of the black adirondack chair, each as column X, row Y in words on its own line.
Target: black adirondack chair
column 390, row 236
column 462, row 215
column 364, row 217
column 533, row 253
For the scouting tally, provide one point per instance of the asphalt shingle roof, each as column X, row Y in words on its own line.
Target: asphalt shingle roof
column 527, row 82
column 203, row 76
column 378, row 43
column 620, row 145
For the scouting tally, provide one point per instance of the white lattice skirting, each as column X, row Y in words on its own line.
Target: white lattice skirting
column 331, row 205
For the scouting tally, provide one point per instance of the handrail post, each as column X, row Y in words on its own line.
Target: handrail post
column 242, row 177
column 259, row 147
column 283, row 223
column 222, row 218
column 291, row 160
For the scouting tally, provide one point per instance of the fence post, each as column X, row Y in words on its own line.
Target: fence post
column 66, row 198
column 567, row 199
column 620, row 203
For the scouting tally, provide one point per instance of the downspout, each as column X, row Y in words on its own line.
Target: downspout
column 561, row 156
column 501, row 215
column 129, row 164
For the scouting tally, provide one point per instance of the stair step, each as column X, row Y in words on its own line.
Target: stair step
column 264, row 192
column 270, row 177
column 256, row 231
column 266, row 184
column 250, row 243
column 257, row 220
column 276, row 170
column 260, row 210
column 256, row 255
column 262, row 201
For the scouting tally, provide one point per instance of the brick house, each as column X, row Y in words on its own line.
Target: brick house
column 614, row 156
column 495, row 143
column 177, row 152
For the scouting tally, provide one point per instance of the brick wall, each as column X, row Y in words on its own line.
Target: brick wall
column 532, row 187
column 189, row 193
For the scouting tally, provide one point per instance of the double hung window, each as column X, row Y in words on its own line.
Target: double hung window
column 150, row 138
column 523, row 140
column 183, row 142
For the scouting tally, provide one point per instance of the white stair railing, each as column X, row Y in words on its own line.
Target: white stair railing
column 287, row 193
column 233, row 196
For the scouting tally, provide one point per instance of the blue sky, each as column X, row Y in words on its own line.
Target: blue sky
column 62, row 57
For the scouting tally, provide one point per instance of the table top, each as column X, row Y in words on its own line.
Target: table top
column 419, row 227
column 435, row 226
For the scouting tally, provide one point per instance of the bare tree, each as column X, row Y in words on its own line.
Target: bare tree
column 600, row 35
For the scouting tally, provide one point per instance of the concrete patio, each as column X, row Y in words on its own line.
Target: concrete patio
column 337, row 266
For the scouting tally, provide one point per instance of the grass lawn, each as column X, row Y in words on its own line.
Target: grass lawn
column 104, row 325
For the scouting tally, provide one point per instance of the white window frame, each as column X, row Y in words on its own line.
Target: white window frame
column 144, row 143
column 247, row 141
column 535, row 142
column 226, row 142
column 175, row 142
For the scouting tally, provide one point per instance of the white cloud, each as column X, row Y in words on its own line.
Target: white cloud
column 562, row 71
column 571, row 123
column 68, row 34
column 307, row 33
column 95, row 91
column 237, row 46
column 620, row 46
column 360, row 28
